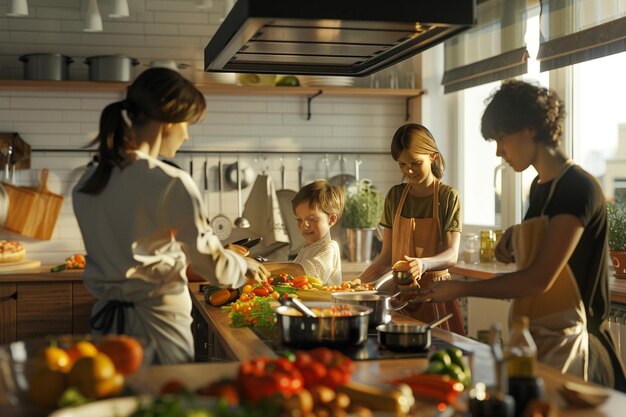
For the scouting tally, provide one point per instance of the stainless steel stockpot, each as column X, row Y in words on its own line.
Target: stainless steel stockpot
column 111, row 68
column 379, row 303
column 296, row 330
column 53, row 67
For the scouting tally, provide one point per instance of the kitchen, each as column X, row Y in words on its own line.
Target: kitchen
column 255, row 123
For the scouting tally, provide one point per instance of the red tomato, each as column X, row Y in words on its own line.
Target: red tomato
column 322, row 354
column 173, row 386
column 261, row 291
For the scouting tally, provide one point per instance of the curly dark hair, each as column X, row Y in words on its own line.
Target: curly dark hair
column 518, row 105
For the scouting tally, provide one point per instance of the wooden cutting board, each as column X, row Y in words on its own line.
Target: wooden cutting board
column 19, row 266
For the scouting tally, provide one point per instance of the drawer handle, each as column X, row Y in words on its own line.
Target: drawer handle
column 9, row 297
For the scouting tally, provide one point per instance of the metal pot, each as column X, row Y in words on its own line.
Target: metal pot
column 296, row 330
column 246, row 175
column 46, row 66
column 379, row 303
column 407, row 337
column 111, row 68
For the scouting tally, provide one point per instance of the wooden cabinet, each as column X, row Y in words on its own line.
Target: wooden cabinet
column 36, row 309
column 209, row 346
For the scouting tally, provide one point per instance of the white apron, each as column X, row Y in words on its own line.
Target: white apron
column 558, row 322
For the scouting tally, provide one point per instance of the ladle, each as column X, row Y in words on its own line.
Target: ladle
column 240, row 221
column 298, row 305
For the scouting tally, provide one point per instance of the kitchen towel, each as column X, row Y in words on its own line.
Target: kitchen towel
column 262, row 209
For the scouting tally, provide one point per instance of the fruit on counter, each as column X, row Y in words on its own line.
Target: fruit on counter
column 82, row 371
column 95, row 377
column 287, row 81
column 11, row 251
column 450, row 362
column 126, row 352
column 76, row 261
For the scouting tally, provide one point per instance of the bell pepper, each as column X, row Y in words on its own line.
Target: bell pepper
column 262, row 378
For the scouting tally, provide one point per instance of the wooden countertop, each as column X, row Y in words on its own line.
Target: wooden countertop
column 488, row 270
column 42, row 274
column 244, row 344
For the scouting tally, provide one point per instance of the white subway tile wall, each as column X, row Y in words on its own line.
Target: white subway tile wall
column 175, row 30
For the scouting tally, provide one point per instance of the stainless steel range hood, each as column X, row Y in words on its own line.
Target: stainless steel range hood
column 331, row 37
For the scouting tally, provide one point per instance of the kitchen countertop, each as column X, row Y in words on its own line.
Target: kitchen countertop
column 243, row 344
column 488, row 270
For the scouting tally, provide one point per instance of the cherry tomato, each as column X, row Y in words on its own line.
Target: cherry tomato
column 261, row 292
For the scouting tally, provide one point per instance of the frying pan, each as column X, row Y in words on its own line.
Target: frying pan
column 407, row 337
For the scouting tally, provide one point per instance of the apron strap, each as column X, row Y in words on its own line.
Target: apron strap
column 102, row 321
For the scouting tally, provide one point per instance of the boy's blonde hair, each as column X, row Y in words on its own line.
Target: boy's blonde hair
column 322, row 196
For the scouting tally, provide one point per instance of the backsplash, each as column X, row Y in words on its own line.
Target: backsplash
column 241, row 127
column 175, row 29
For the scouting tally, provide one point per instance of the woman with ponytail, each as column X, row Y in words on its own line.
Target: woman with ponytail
column 143, row 221
column 422, row 224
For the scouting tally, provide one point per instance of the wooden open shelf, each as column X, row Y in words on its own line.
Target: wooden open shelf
column 212, row 89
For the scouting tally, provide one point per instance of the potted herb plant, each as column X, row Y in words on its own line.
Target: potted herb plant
column 361, row 215
column 616, row 213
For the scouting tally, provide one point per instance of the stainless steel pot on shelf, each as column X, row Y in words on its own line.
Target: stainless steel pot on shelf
column 111, row 68
column 46, row 66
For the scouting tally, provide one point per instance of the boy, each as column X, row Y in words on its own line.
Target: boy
column 317, row 207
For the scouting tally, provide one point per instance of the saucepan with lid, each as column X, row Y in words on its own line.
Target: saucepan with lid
column 407, row 337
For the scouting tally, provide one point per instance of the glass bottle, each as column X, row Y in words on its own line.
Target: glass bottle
column 487, row 245
column 471, row 248
column 520, row 353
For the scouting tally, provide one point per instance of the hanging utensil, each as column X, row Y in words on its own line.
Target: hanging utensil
column 221, row 224
column 240, row 222
column 357, row 166
column 300, row 172
column 205, row 176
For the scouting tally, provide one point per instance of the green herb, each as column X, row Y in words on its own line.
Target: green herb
column 363, row 206
column 257, row 312
column 616, row 213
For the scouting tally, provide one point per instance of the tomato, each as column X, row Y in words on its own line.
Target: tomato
column 126, row 353
column 323, row 366
column 247, row 289
column 261, row 378
column 225, row 389
column 95, row 377
column 276, row 295
column 173, row 386
column 261, row 292
column 46, row 387
column 300, row 281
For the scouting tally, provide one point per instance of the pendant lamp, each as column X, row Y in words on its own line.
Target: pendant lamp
column 93, row 20
column 18, row 8
column 119, row 9
column 204, row 4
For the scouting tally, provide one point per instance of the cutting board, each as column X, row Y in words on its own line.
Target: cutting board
column 19, row 266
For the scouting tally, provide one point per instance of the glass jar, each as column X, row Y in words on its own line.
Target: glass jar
column 487, row 246
column 471, row 248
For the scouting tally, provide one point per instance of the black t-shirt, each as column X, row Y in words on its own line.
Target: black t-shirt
column 579, row 194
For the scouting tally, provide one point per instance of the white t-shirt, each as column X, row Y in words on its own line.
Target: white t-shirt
column 322, row 259
column 140, row 233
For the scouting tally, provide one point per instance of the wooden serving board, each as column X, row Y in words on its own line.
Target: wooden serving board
column 19, row 266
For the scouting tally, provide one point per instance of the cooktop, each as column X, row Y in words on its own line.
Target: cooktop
column 370, row 350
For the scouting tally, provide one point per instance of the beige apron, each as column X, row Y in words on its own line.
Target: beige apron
column 421, row 237
column 558, row 322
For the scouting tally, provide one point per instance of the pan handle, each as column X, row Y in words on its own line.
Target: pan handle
column 439, row 321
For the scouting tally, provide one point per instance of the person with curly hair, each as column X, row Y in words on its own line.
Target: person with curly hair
column 560, row 249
